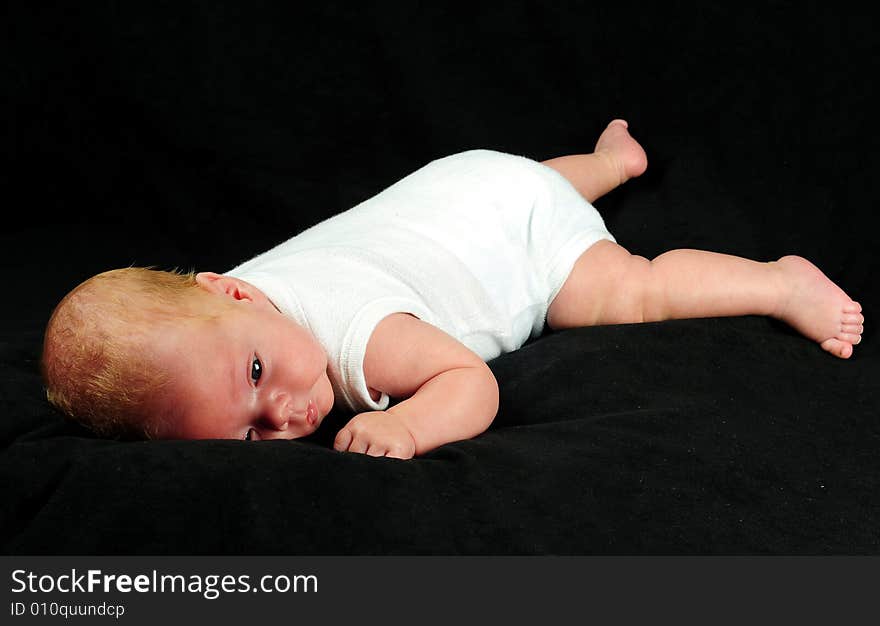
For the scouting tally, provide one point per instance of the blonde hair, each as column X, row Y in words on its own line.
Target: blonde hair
column 97, row 363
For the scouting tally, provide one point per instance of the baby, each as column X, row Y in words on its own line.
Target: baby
column 404, row 296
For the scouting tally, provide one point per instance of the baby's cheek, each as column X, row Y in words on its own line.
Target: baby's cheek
column 167, row 418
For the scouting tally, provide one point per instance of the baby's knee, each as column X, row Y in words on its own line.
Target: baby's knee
column 636, row 290
column 653, row 290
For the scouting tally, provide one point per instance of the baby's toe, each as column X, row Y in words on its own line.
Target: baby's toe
column 838, row 348
column 850, row 318
column 852, row 307
column 852, row 329
column 851, row 338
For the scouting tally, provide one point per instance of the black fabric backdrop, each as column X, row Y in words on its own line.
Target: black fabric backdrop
column 195, row 135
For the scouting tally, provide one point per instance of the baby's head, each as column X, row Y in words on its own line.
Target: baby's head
column 141, row 353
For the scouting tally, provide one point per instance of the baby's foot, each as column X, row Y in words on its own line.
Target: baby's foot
column 813, row 305
column 627, row 155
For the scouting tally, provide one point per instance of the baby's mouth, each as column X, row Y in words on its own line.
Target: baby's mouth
column 312, row 413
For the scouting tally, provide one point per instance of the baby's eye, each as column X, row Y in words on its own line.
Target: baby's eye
column 256, row 369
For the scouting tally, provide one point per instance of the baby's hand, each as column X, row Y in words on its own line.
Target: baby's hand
column 377, row 433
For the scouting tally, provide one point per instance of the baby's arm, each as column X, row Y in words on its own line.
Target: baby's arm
column 452, row 394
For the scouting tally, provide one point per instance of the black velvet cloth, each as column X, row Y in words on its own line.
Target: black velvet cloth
column 195, row 135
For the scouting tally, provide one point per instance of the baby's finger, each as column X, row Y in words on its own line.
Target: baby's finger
column 375, row 450
column 397, row 452
column 359, row 445
column 343, row 440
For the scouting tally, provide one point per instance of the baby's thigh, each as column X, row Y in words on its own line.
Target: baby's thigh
column 605, row 286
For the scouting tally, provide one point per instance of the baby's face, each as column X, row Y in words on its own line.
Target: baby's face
column 251, row 374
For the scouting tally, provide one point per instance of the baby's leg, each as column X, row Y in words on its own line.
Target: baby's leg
column 617, row 157
column 608, row 285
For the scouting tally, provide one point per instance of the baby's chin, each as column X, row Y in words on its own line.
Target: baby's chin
column 319, row 419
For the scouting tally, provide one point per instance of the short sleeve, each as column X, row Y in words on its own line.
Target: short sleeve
column 354, row 388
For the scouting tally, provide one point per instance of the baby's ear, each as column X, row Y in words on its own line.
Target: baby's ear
column 223, row 285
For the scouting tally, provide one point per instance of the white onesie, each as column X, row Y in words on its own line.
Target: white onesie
column 477, row 244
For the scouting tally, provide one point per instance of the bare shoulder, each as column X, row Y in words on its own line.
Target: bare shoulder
column 405, row 352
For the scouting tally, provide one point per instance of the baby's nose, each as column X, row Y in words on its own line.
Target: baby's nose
column 280, row 411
